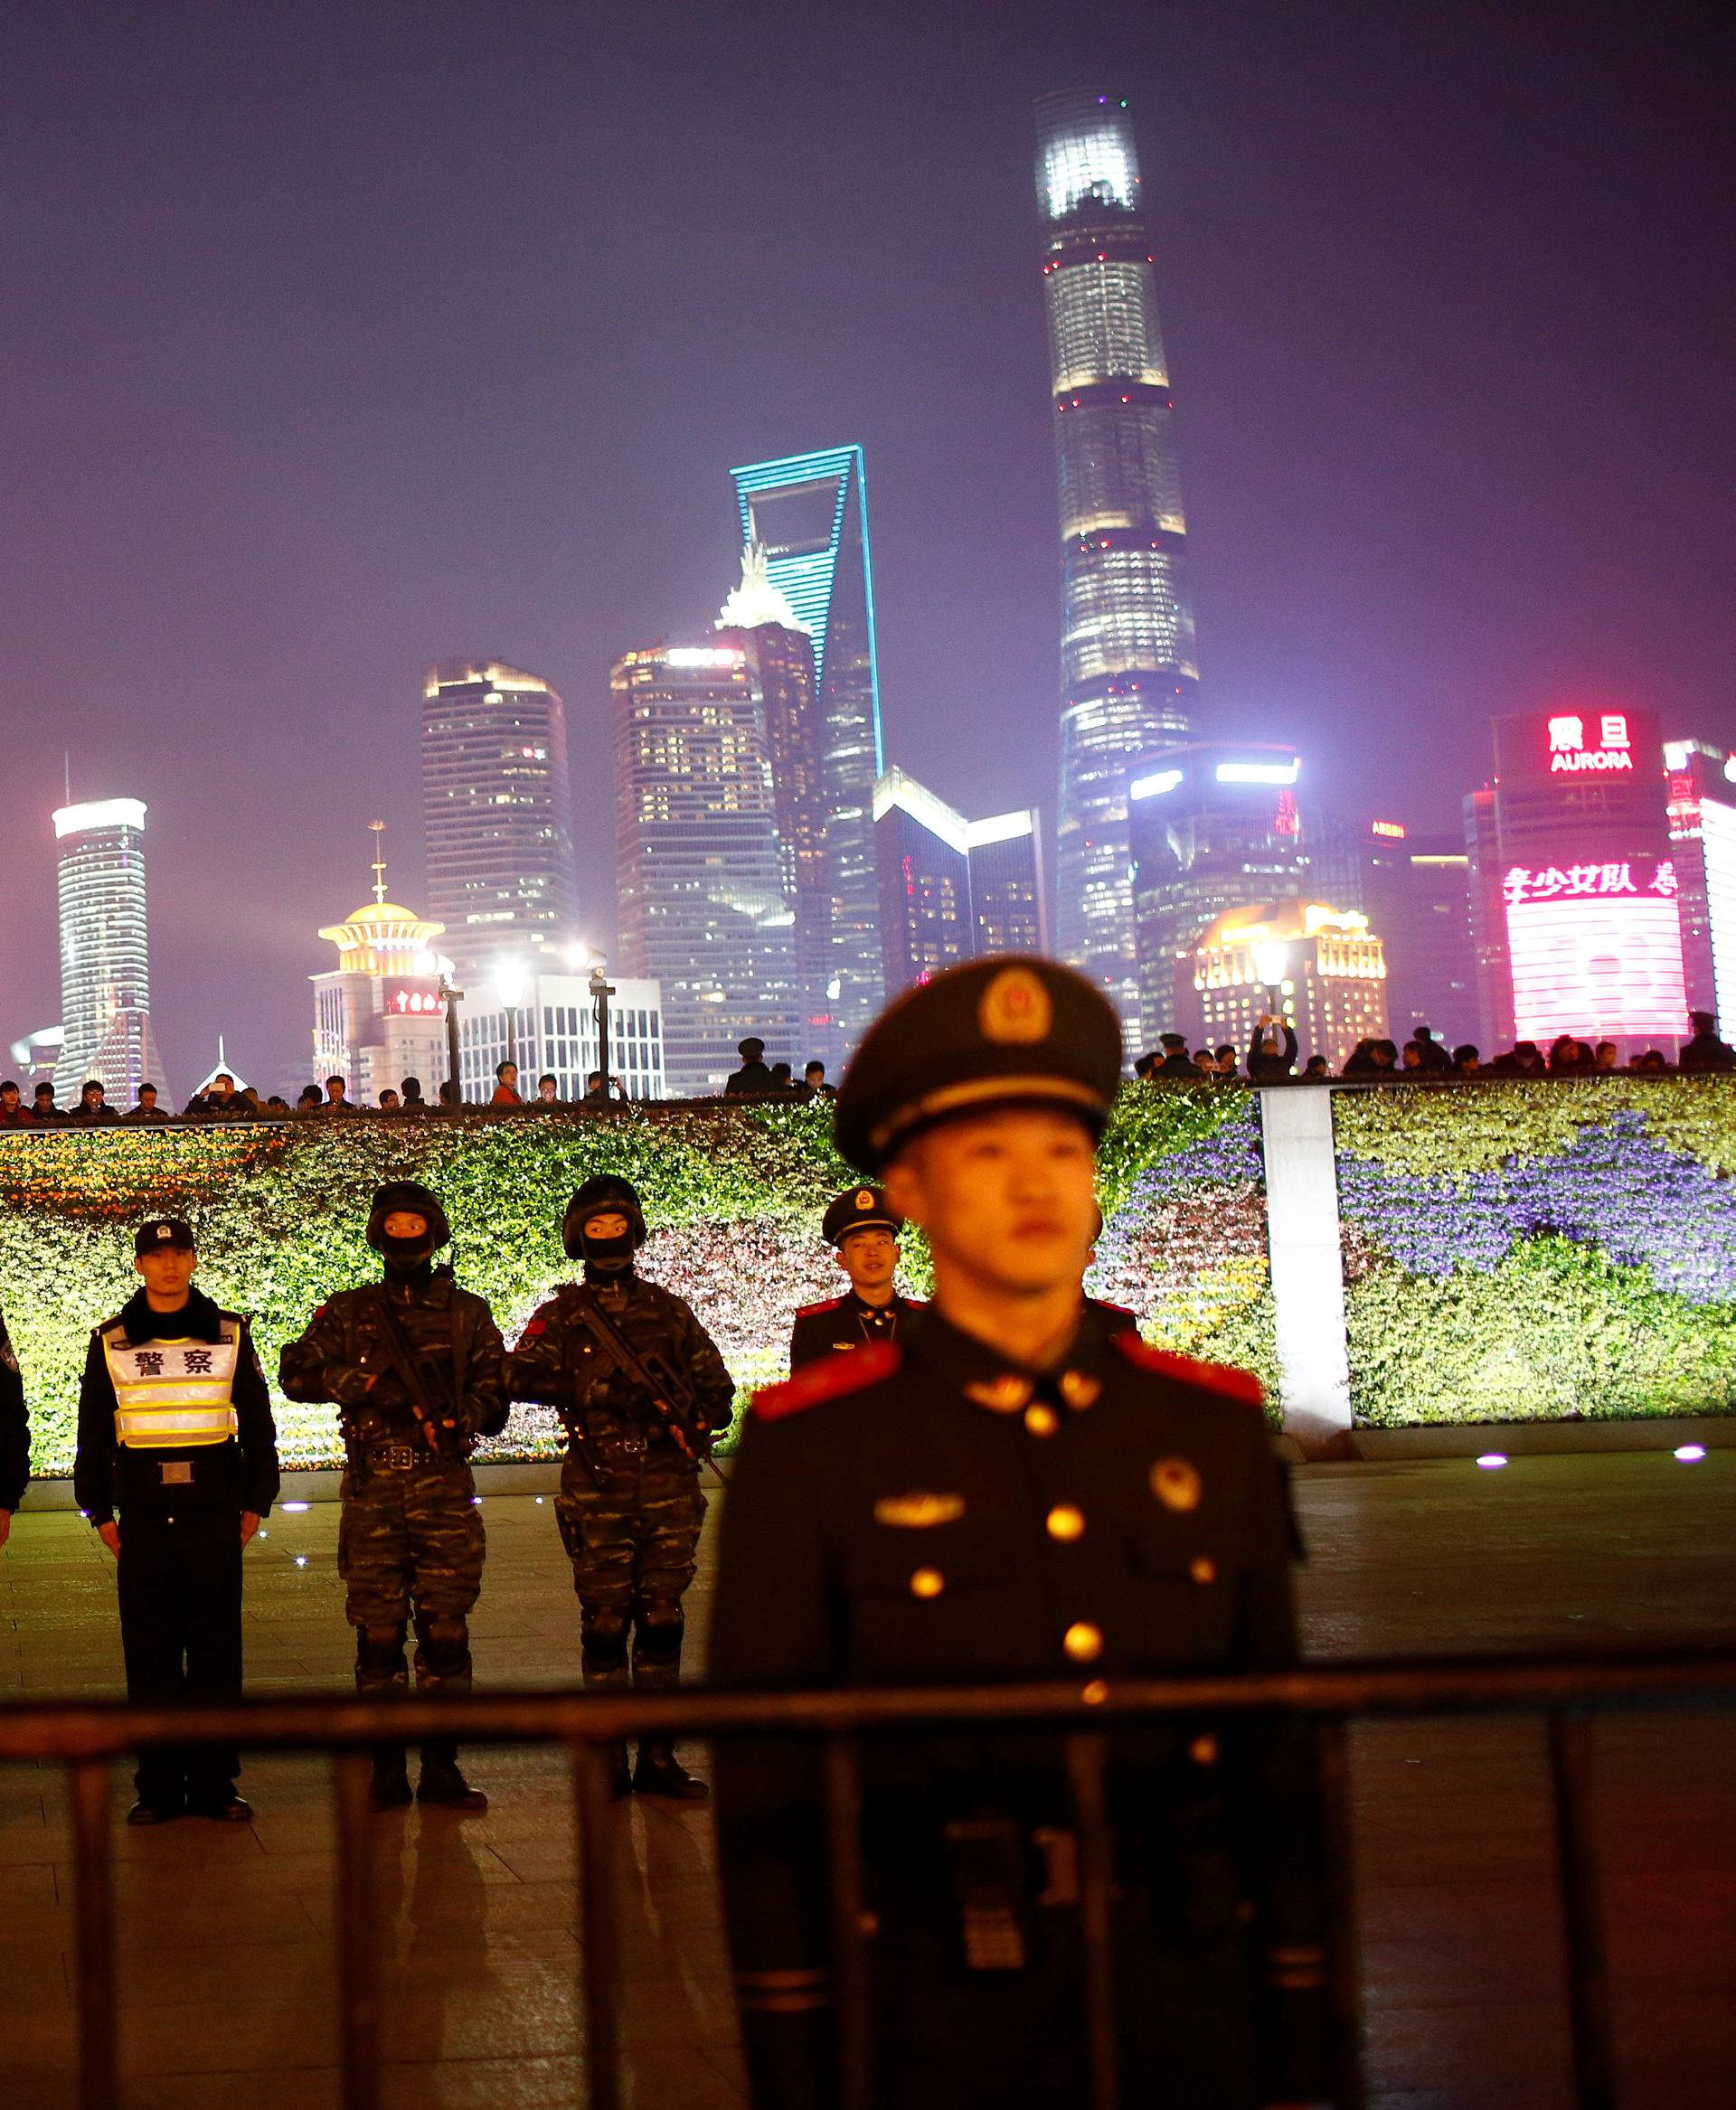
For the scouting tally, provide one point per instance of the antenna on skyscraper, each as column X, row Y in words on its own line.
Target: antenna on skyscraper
column 379, row 830
column 67, row 759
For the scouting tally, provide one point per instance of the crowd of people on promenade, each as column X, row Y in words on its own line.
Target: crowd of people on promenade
column 1271, row 1057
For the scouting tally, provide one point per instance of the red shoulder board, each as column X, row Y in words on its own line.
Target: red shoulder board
column 535, row 1327
column 829, row 1379
column 826, row 1304
column 1211, row 1377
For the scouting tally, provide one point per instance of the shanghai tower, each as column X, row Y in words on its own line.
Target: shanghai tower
column 1128, row 673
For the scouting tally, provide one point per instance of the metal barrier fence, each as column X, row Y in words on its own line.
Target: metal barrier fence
column 1568, row 1693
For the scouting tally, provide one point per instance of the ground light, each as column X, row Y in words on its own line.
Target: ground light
column 287, row 1506
column 1689, row 1454
column 1492, row 1461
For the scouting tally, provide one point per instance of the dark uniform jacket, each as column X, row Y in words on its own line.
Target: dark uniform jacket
column 839, row 1323
column 241, row 1474
column 753, row 1079
column 558, row 1362
column 14, row 1426
column 452, row 1335
column 931, row 1512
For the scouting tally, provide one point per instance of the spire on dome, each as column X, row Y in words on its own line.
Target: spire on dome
column 756, row 601
column 378, row 832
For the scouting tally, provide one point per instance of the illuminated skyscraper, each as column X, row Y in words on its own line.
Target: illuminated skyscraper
column 1702, row 838
column 1128, row 677
column 497, row 816
column 703, row 911
column 104, row 961
column 809, row 513
column 950, row 888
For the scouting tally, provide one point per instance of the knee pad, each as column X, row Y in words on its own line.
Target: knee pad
column 380, row 1649
column 443, row 1646
column 603, row 1639
column 656, row 1636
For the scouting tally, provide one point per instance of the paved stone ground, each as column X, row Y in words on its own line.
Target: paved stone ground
column 227, row 1936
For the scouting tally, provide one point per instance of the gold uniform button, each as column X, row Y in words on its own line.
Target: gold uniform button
column 1083, row 1642
column 1204, row 1571
column 927, row 1582
column 1064, row 1521
column 1041, row 1420
column 1204, row 1750
column 1079, row 1390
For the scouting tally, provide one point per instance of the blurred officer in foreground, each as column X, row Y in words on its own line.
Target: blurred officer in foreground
column 1004, row 1495
column 418, row 1370
column 641, row 1389
column 864, row 1232
column 14, row 1434
column 175, row 1427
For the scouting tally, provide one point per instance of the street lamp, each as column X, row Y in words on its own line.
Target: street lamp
column 509, row 987
column 451, row 998
column 1271, row 955
column 601, row 990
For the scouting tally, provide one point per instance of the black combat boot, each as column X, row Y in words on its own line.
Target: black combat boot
column 391, row 1788
column 620, row 1771
column 442, row 1783
column 660, row 1773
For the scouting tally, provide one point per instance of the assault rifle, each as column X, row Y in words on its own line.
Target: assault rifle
column 671, row 1396
column 437, row 1423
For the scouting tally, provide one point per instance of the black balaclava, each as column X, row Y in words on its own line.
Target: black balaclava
column 607, row 1260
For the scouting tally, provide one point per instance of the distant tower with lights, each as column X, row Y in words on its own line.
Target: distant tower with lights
column 378, row 1015
column 1128, row 677
column 497, row 816
column 105, row 960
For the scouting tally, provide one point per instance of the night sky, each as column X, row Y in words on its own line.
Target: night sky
column 336, row 338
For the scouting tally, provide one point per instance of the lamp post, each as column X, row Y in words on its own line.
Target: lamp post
column 452, row 998
column 1270, row 956
column 509, row 986
column 601, row 990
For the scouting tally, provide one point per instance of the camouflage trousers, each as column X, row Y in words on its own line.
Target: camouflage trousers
column 631, row 1531
column 409, row 1547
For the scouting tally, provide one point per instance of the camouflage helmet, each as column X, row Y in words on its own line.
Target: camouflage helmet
column 601, row 1194
column 412, row 1196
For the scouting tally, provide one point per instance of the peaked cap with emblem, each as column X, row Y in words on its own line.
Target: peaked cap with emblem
column 861, row 1209
column 1004, row 1031
column 162, row 1234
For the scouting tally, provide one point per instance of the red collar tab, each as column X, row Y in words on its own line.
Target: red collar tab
column 826, row 1304
column 828, row 1379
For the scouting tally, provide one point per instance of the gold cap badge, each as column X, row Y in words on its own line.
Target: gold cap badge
column 864, row 1197
column 919, row 1512
column 1015, row 1010
column 1175, row 1483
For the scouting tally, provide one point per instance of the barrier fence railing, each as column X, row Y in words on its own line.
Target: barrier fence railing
column 1567, row 1693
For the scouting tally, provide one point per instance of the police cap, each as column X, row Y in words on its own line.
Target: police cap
column 861, row 1209
column 162, row 1234
column 412, row 1198
column 750, row 1049
column 993, row 1032
column 603, row 1194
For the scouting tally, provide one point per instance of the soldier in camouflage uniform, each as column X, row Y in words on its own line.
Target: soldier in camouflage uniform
column 629, row 1505
column 418, row 1370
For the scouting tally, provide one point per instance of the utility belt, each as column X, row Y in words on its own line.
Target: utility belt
column 605, row 1440
column 400, row 1457
column 214, row 1469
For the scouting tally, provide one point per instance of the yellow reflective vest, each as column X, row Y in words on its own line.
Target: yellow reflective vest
column 172, row 1394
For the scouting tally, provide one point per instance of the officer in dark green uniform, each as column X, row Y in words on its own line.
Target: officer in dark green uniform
column 1007, row 1494
column 864, row 1231
column 418, row 1370
column 629, row 1506
column 14, row 1434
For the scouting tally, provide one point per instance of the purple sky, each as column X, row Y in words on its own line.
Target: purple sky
column 340, row 337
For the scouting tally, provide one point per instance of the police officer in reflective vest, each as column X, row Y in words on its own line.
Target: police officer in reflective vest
column 418, row 1370
column 14, row 1434
column 1007, row 1494
column 175, row 1430
column 863, row 1231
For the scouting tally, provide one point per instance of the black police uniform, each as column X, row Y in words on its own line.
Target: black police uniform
column 933, row 1512
column 179, row 1576
column 14, row 1425
column 840, row 1323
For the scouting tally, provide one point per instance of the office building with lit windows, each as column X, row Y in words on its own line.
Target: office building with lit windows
column 703, row 910
column 1575, row 884
column 1703, row 841
column 497, row 816
column 552, row 1026
column 1211, row 828
column 778, row 651
column 1417, row 893
column 1320, row 969
column 1128, row 674
column 105, row 956
column 810, row 513
column 950, row 888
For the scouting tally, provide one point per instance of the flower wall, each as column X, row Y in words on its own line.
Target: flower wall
column 732, row 1196
column 1527, row 1250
